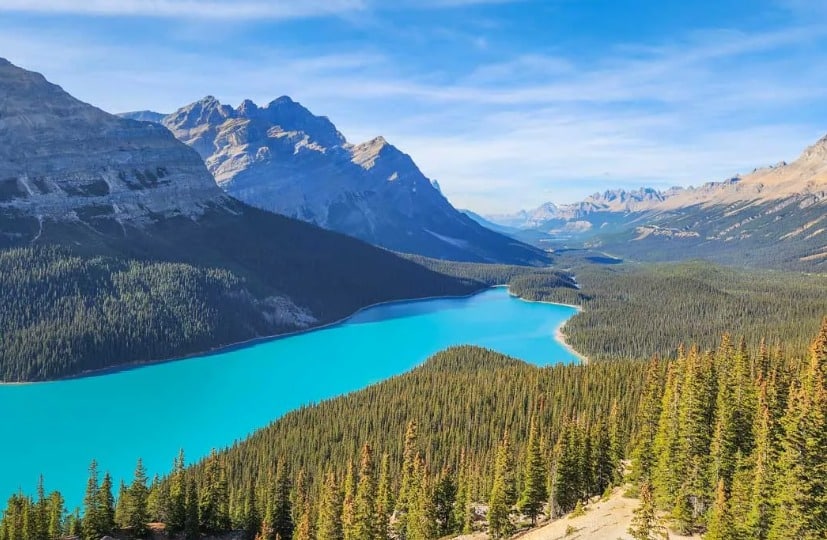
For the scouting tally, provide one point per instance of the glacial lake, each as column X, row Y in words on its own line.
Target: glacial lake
column 210, row 401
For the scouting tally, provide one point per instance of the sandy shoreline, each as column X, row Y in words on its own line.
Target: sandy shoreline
column 559, row 334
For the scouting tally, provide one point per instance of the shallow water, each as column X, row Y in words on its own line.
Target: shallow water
column 197, row 404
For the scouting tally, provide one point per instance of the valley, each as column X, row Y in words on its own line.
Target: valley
column 234, row 322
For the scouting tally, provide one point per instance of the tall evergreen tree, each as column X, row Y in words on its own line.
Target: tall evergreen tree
column 384, row 500
column 801, row 491
column 444, row 500
column 192, row 519
column 720, row 522
column 349, row 503
column 106, row 505
column 534, row 492
column 177, row 495
column 645, row 523
column 364, row 505
column 282, row 512
column 502, row 493
column 135, row 518
column 329, row 525
column 92, row 528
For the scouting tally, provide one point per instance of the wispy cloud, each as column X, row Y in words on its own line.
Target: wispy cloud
column 501, row 129
column 218, row 9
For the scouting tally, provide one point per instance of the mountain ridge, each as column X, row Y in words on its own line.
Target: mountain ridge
column 117, row 247
column 284, row 159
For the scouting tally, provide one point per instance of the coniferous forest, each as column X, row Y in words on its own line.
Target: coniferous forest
column 728, row 443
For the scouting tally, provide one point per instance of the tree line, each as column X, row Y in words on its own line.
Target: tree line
column 728, row 443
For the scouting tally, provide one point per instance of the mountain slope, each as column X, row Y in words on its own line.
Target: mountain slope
column 116, row 246
column 772, row 217
column 284, row 159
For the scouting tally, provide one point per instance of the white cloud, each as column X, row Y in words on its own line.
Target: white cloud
column 509, row 133
column 220, row 9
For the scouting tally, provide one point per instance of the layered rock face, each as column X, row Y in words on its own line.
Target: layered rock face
column 284, row 159
column 63, row 159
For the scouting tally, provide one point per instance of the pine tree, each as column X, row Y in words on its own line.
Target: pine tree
column 192, row 519
column 444, row 499
column 252, row 518
column 91, row 525
column 106, row 505
column 666, row 479
column 463, row 513
column 384, row 501
column 501, row 500
column 567, row 470
column 764, row 458
column 364, row 505
column 645, row 523
column 177, row 496
column 422, row 522
column 720, row 521
column 348, row 503
column 534, row 492
column 407, row 480
column 282, row 512
column 643, row 455
column 801, row 490
column 56, row 515
column 617, row 444
column 136, row 516
column 330, row 510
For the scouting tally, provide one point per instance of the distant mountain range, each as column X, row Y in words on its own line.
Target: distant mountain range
column 774, row 216
column 117, row 246
column 284, row 159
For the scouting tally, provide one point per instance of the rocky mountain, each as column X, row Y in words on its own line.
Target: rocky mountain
column 117, row 246
column 774, row 216
column 284, row 159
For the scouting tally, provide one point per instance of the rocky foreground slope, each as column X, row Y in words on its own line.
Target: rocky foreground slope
column 284, row 159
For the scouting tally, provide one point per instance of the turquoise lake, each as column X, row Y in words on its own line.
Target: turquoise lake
column 206, row 402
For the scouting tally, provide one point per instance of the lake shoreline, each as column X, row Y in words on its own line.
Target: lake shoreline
column 559, row 334
column 129, row 366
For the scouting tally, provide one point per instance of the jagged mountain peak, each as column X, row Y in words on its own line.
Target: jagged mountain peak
column 285, row 159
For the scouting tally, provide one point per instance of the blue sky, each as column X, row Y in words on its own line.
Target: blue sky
column 508, row 103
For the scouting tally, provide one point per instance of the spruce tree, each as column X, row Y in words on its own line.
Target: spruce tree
column 192, row 519
column 406, row 484
column 364, row 505
column 91, row 528
column 645, row 523
column 384, row 501
column 106, row 505
column 252, row 518
column 329, row 525
column 348, row 503
column 534, row 492
column 56, row 516
column 764, row 459
column 463, row 513
column 801, row 489
column 501, row 500
column 177, row 496
column 136, row 516
column 281, row 508
column 444, row 500
column 720, row 521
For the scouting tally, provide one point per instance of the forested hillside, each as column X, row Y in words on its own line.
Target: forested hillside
column 78, row 300
column 727, row 443
column 636, row 311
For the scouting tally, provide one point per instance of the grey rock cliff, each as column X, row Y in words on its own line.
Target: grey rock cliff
column 61, row 158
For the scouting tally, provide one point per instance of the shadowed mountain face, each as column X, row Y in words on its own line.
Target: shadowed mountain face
column 284, row 159
column 117, row 246
column 773, row 217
